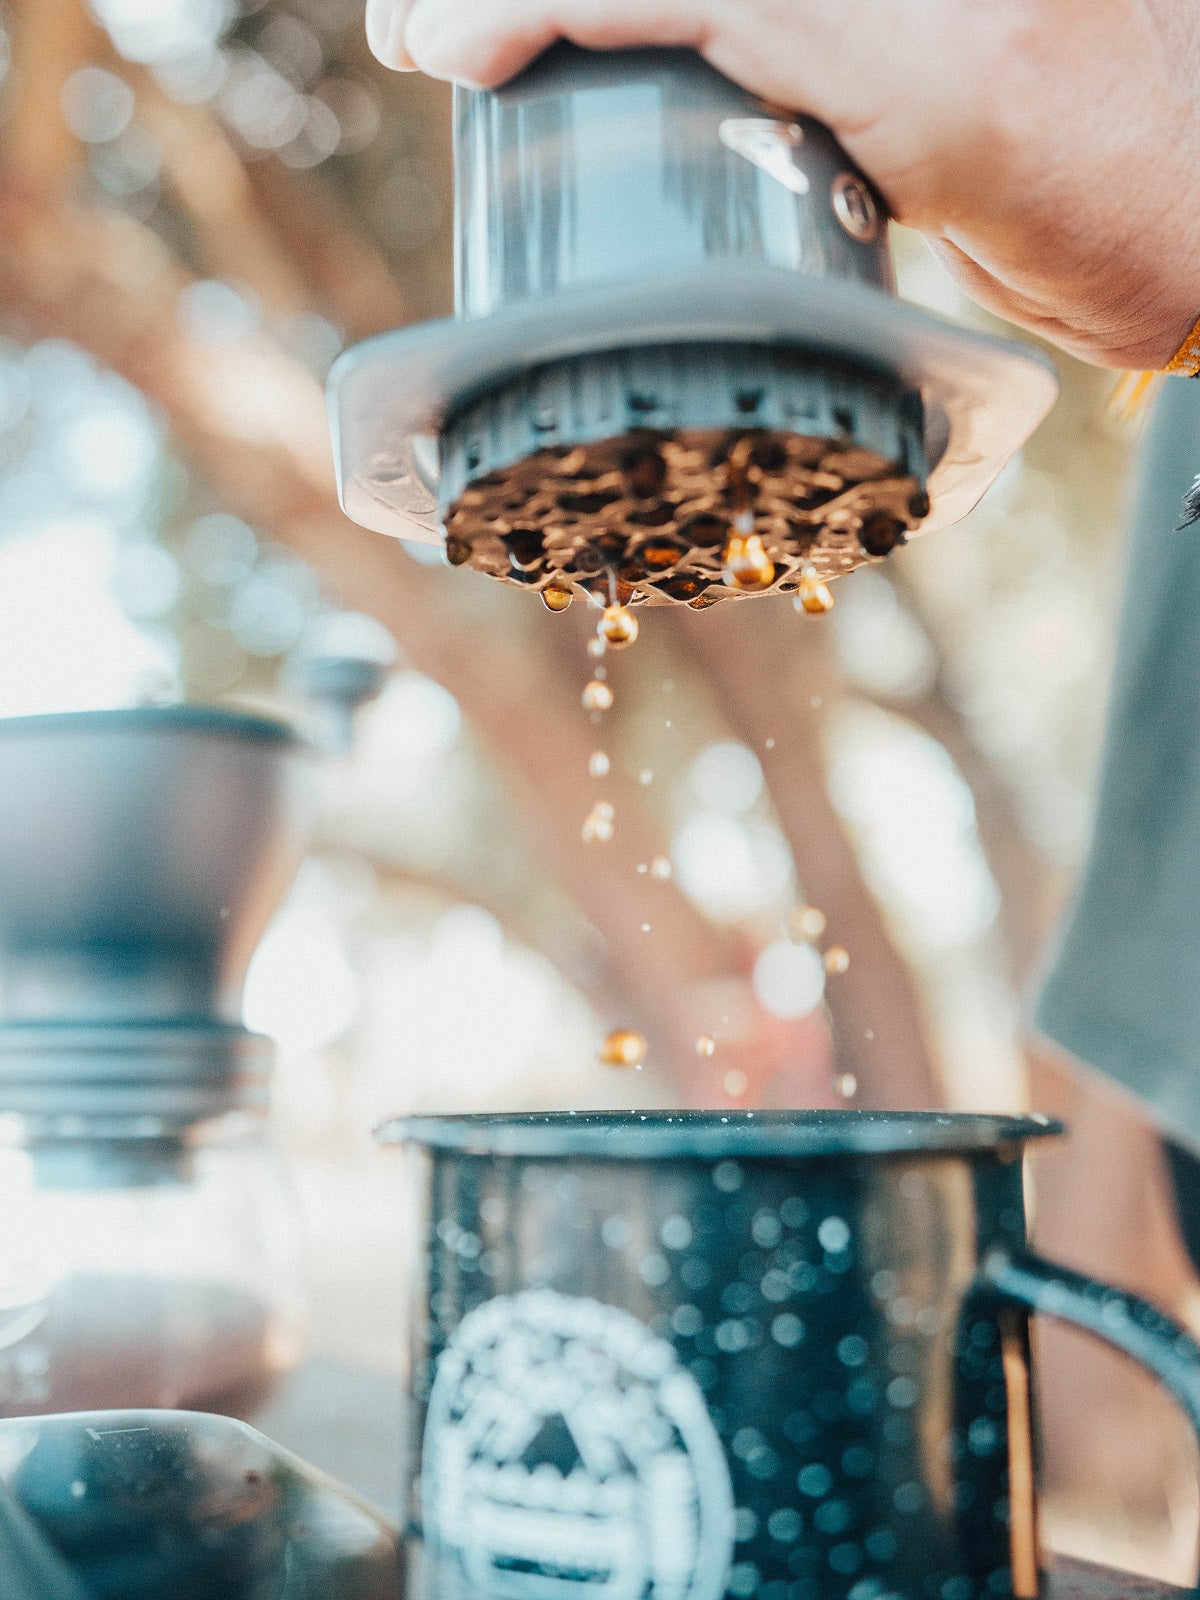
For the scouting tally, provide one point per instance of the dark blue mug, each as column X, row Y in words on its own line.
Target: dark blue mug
column 769, row 1355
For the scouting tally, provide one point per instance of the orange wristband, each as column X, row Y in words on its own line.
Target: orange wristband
column 1186, row 360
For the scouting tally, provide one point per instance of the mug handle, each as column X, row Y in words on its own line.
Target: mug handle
column 1125, row 1321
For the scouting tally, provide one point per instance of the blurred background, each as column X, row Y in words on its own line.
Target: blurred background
column 201, row 203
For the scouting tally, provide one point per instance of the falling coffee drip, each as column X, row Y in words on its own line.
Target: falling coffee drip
column 683, row 477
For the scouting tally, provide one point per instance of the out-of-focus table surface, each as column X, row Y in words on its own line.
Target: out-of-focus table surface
column 1080, row 1580
column 348, row 1421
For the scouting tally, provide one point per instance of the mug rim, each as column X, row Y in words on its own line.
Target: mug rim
column 715, row 1135
column 182, row 716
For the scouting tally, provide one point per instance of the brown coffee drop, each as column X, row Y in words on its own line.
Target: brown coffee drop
column 623, row 1048
column 618, row 627
column 746, row 564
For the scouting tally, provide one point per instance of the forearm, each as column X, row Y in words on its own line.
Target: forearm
column 1049, row 149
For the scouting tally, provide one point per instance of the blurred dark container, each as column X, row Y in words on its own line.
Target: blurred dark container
column 781, row 1355
column 145, row 1505
column 142, row 853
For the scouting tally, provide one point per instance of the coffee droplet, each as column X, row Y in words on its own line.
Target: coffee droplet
column 660, row 868
column 556, row 597
column 846, row 1085
column 623, row 1048
column 598, row 764
column 736, row 1083
column 597, row 696
column 836, row 960
column 705, row 1046
column 813, row 594
column 596, row 649
column 618, row 627
column 806, row 925
column 746, row 564
column 598, row 824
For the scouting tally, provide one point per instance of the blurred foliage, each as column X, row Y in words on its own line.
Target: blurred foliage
column 304, row 196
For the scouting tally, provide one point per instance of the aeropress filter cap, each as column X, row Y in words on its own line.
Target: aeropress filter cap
column 676, row 321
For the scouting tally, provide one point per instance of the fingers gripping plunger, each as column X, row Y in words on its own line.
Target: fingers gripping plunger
column 678, row 373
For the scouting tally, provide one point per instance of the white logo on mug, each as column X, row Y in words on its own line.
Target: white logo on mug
column 567, row 1452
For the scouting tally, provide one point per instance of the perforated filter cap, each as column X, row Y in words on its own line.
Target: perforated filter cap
column 629, row 472
column 676, row 317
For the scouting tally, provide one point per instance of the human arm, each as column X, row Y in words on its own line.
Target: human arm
column 1048, row 149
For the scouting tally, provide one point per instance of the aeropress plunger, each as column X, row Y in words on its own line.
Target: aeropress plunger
column 675, row 329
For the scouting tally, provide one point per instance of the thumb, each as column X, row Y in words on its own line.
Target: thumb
column 386, row 21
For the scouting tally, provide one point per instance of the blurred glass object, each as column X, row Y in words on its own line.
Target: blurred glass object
column 144, row 1265
column 340, row 664
column 165, row 1506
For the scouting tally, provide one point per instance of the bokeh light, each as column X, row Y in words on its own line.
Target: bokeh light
column 158, row 31
column 789, row 979
column 914, row 819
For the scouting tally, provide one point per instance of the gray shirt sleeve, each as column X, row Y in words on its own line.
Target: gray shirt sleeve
column 1123, row 991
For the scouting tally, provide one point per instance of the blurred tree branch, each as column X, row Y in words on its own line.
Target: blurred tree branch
column 252, row 419
column 1021, row 871
column 771, row 677
column 51, row 39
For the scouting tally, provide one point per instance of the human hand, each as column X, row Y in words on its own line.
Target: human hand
column 1048, row 149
